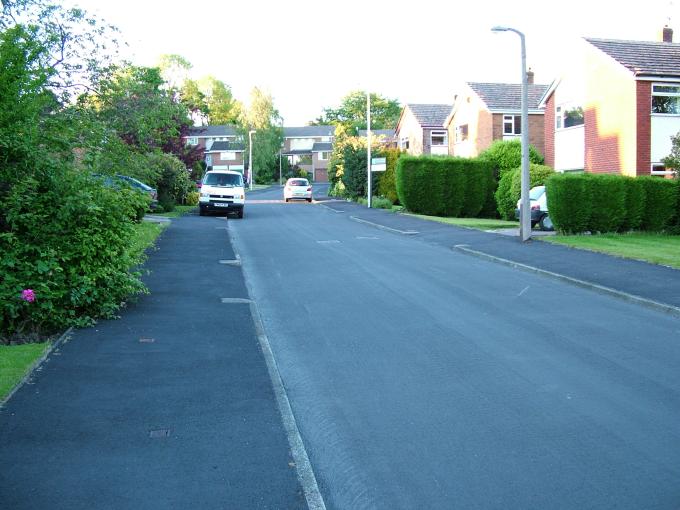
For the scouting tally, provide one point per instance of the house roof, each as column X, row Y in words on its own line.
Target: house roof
column 308, row 131
column 223, row 130
column 432, row 115
column 508, row 96
column 227, row 146
column 322, row 147
column 643, row 58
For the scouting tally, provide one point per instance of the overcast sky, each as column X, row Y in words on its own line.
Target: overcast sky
column 310, row 53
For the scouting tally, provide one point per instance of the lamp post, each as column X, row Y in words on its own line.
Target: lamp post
column 284, row 141
column 369, row 191
column 524, row 210
column 250, row 157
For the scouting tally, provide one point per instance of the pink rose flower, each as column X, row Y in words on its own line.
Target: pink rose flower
column 28, row 295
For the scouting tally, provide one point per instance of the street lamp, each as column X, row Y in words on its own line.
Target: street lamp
column 369, row 190
column 250, row 157
column 524, row 210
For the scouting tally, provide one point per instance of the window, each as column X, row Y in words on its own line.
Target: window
column 558, row 117
column 512, row 124
column 461, row 133
column 666, row 99
column 660, row 169
column 224, row 156
column 325, row 138
column 208, row 159
column 192, row 140
column 323, row 156
column 438, row 138
column 404, row 142
column 568, row 116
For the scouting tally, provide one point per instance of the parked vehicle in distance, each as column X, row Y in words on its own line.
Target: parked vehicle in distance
column 538, row 202
column 223, row 191
column 117, row 180
column 297, row 189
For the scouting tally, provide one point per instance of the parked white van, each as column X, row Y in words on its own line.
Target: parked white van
column 222, row 191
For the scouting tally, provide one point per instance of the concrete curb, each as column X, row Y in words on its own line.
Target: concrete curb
column 29, row 373
column 649, row 303
column 303, row 466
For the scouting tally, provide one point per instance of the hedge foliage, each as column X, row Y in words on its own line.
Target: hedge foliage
column 510, row 187
column 444, row 186
column 608, row 203
column 506, row 155
column 387, row 185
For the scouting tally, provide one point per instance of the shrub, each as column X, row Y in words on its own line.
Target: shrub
column 381, row 203
column 634, row 204
column 171, row 177
column 570, row 201
column 510, row 187
column 192, row 198
column 660, row 203
column 387, row 183
column 443, row 186
column 609, row 209
column 506, row 155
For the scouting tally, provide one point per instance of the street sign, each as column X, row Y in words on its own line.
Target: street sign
column 378, row 164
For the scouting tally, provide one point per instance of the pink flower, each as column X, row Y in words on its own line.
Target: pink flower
column 28, row 295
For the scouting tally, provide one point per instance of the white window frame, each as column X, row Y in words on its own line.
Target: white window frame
column 227, row 156
column 192, row 140
column 404, row 142
column 658, row 93
column 460, row 137
column 515, row 122
column 439, row 134
column 660, row 169
column 560, row 110
column 324, row 155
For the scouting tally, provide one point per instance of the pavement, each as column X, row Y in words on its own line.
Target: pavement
column 647, row 284
column 171, row 406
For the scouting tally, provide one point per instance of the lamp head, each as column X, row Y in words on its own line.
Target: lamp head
column 499, row 29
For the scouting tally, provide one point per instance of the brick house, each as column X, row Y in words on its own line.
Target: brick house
column 222, row 146
column 615, row 108
column 485, row 112
column 420, row 129
column 310, row 148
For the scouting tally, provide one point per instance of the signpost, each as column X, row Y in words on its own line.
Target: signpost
column 378, row 164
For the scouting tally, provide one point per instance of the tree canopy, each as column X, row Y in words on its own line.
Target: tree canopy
column 351, row 114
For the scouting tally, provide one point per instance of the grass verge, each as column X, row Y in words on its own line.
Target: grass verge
column 654, row 248
column 180, row 210
column 146, row 234
column 15, row 361
column 478, row 223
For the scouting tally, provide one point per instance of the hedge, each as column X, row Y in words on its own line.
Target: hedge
column 506, row 155
column 609, row 203
column 443, row 186
column 387, row 185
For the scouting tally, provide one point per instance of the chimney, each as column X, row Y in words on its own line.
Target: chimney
column 530, row 77
column 667, row 34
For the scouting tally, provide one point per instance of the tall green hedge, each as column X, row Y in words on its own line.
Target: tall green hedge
column 609, row 203
column 570, row 202
column 506, row 155
column 443, row 186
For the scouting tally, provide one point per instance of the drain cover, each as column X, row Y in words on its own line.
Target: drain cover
column 146, row 340
column 158, row 433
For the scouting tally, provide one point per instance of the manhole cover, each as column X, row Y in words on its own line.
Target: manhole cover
column 144, row 340
column 159, row 433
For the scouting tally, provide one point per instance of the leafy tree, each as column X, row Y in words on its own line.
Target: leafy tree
column 351, row 114
column 262, row 116
column 221, row 106
column 673, row 159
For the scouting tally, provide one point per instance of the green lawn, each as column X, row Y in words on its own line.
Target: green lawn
column 15, row 360
column 147, row 232
column 478, row 223
column 654, row 248
column 180, row 210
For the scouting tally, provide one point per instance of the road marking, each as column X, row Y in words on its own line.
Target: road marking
column 330, row 241
column 383, row 227
column 234, row 262
column 331, row 209
column 235, row 300
column 368, row 237
column 523, row 291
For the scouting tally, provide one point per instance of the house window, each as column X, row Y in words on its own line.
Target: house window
column 404, row 142
column 512, row 124
column 438, row 138
column 192, row 140
column 224, row 156
column 208, row 159
column 323, row 156
column 325, row 138
column 567, row 116
column 666, row 99
column 660, row 170
column 461, row 133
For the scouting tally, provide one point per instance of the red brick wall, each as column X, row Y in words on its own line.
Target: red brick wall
column 549, row 132
column 644, row 128
column 602, row 152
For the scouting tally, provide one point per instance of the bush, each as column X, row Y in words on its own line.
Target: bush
column 634, row 204
column 443, row 186
column 510, row 187
column 381, row 203
column 387, row 185
column 660, row 203
column 192, row 198
column 609, row 210
column 570, row 202
column 506, row 155
column 171, row 177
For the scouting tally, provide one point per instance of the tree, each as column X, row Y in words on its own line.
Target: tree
column 265, row 120
column 351, row 114
column 221, row 106
column 672, row 161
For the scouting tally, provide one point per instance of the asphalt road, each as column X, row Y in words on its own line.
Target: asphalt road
column 421, row 377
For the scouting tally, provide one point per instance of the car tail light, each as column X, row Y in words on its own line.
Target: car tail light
column 309, row 189
column 535, row 207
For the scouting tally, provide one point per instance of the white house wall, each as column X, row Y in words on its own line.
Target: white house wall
column 569, row 148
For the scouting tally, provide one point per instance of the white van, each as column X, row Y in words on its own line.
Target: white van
column 222, row 191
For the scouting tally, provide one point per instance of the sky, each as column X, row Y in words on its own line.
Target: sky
column 310, row 53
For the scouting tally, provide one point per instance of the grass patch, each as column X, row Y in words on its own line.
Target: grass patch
column 654, row 248
column 180, row 210
column 15, row 360
column 146, row 234
column 478, row 223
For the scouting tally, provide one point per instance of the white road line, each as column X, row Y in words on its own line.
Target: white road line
column 383, row 227
column 235, row 300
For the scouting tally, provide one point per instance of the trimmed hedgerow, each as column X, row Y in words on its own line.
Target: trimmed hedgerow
column 443, row 186
column 506, row 155
column 660, row 203
column 609, row 211
column 634, row 204
column 570, row 202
